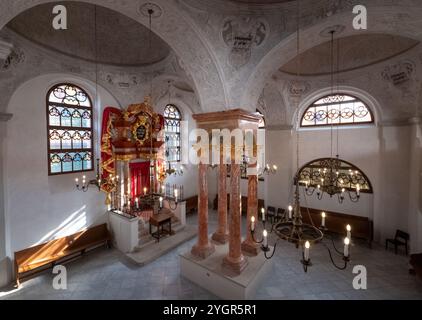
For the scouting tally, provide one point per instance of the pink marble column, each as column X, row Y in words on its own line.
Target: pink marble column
column 249, row 246
column 204, row 247
column 221, row 236
column 235, row 261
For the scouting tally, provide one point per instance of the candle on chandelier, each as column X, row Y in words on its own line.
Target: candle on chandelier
column 290, row 212
column 346, row 247
column 163, row 189
column 252, row 223
column 349, row 231
column 357, row 190
column 161, row 202
column 145, row 191
column 137, row 203
column 175, row 194
column 265, row 240
column 323, row 215
column 83, row 181
column 306, row 251
column 263, row 214
column 77, row 182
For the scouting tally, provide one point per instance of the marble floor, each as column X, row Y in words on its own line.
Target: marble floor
column 108, row 274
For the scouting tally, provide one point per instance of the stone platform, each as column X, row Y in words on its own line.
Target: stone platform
column 210, row 274
column 153, row 249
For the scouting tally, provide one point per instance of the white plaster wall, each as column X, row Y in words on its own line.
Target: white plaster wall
column 381, row 153
column 41, row 207
column 5, row 262
column 415, row 177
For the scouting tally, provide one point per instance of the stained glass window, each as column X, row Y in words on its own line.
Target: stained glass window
column 336, row 110
column 69, row 129
column 172, row 118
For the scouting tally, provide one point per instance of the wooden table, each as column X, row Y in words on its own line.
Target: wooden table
column 160, row 220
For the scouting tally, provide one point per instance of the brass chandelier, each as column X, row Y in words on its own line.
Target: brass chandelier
column 291, row 228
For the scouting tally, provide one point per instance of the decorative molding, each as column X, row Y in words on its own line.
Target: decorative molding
column 242, row 34
column 338, row 29
column 298, row 88
column 16, row 57
column 6, row 49
column 399, row 73
column 155, row 9
column 5, row 116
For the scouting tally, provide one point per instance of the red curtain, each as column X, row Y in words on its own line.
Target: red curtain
column 140, row 176
column 107, row 160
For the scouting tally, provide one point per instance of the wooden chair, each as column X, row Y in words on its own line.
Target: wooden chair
column 271, row 213
column 401, row 239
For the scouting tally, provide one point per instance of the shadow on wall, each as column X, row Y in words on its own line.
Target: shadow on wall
column 74, row 223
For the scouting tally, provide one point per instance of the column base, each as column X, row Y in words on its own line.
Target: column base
column 250, row 248
column 235, row 266
column 202, row 252
column 220, row 238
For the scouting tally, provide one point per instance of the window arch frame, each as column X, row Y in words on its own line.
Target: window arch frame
column 178, row 133
column 89, row 129
column 352, row 124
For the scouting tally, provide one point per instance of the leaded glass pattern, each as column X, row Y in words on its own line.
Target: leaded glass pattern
column 336, row 110
column 172, row 118
column 70, row 135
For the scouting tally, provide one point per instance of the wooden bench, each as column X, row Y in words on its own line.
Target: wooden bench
column 362, row 227
column 44, row 256
column 261, row 203
column 191, row 204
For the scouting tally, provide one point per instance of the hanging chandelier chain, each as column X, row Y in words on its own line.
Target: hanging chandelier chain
column 96, row 54
column 338, row 89
column 150, row 13
column 298, row 66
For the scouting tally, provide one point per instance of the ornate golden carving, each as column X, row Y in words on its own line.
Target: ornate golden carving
column 141, row 130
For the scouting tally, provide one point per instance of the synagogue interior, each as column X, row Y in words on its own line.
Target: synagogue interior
column 210, row 149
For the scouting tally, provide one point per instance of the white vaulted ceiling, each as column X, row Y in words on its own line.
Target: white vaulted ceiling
column 121, row 40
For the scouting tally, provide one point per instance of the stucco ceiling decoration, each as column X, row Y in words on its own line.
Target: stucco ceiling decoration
column 121, row 40
column 357, row 51
column 263, row 2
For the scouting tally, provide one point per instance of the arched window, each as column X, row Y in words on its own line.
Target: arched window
column 339, row 109
column 172, row 118
column 262, row 122
column 69, row 130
